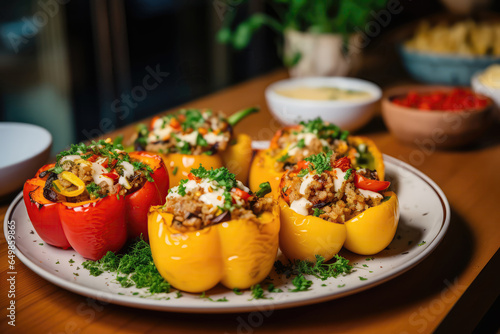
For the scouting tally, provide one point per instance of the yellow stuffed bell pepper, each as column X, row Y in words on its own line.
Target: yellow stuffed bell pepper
column 194, row 254
column 191, row 137
column 373, row 230
column 292, row 144
column 303, row 237
column 327, row 204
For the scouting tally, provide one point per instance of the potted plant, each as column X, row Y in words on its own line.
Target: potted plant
column 321, row 37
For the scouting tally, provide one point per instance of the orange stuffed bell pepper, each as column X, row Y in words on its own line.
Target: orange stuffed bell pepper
column 292, row 144
column 213, row 230
column 95, row 196
column 191, row 137
column 326, row 204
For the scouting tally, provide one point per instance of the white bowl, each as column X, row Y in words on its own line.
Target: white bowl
column 24, row 148
column 493, row 93
column 349, row 115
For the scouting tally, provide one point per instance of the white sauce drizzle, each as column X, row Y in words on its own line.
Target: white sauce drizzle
column 338, row 179
column 369, row 193
column 301, row 206
column 306, row 181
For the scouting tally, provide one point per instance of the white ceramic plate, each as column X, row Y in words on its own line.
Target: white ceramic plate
column 425, row 216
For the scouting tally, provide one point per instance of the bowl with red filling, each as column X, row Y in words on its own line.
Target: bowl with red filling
column 436, row 116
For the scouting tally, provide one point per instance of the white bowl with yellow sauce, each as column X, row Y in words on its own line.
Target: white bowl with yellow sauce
column 346, row 102
column 488, row 83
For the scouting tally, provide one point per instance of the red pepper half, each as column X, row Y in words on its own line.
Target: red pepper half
column 92, row 228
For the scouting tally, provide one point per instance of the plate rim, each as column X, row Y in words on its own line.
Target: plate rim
column 132, row 301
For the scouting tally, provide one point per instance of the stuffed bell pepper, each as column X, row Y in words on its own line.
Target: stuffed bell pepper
column 191, row 137
column 292, row 144
column 95, row 197
column 326, row 204
column 213, row 229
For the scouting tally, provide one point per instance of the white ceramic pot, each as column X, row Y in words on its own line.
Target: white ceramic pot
column 322, row 54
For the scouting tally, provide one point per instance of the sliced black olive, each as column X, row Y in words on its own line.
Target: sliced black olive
column 223, row 217
column 43, row 174
column 320, row 205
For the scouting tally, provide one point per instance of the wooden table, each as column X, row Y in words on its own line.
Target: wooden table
column 449, row 291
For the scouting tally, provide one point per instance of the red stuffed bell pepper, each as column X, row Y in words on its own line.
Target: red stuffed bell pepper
column 94, row 197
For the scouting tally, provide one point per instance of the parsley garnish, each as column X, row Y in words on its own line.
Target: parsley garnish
column 303, row 172
column 257, row 292
column 386, row 198
column 135, row 267
column 361, row 278
column 301, row 143
column 320, row 162
column 317, row 212
column 273, row 289
column 283, row 158
column 422, row 243
column 348, row 174
column 300, row 283
column 175, row 170
column 237, row 291
column 320, row 269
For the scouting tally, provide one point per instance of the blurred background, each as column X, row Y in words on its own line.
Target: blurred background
column 83, row 68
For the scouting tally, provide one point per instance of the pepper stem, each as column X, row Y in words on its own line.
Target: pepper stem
column 239, row 115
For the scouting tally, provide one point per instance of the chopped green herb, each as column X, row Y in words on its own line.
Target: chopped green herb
column 348, row 174
column 340, row 285
column 320, row 269
column 71, row 261
column 422, row 243
column 76, row 274
column 57, row 262
column 237, row 291
column 175, row 170
column 300, row 283
column 178, row 294
column 323, row 284
column 257, row 292
column 134, row 267
column 283, row 158
column 317, row 212
column 361, row 278
column 301, row 143
column 41, row 244
column 273, row 289
column 321, row 162
column 303, row 172
column 364, row 265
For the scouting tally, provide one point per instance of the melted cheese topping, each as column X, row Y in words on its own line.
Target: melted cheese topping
column 301, row 206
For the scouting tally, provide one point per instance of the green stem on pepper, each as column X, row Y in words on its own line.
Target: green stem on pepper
column 240, row 115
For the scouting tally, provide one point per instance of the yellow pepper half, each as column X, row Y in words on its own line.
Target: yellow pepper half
column 302, row 237
column 263, row 168
column 74, row 180
column 373, row 230
column 236, row 158
column 238, row 253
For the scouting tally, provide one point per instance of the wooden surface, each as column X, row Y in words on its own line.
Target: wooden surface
column 459, row 276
